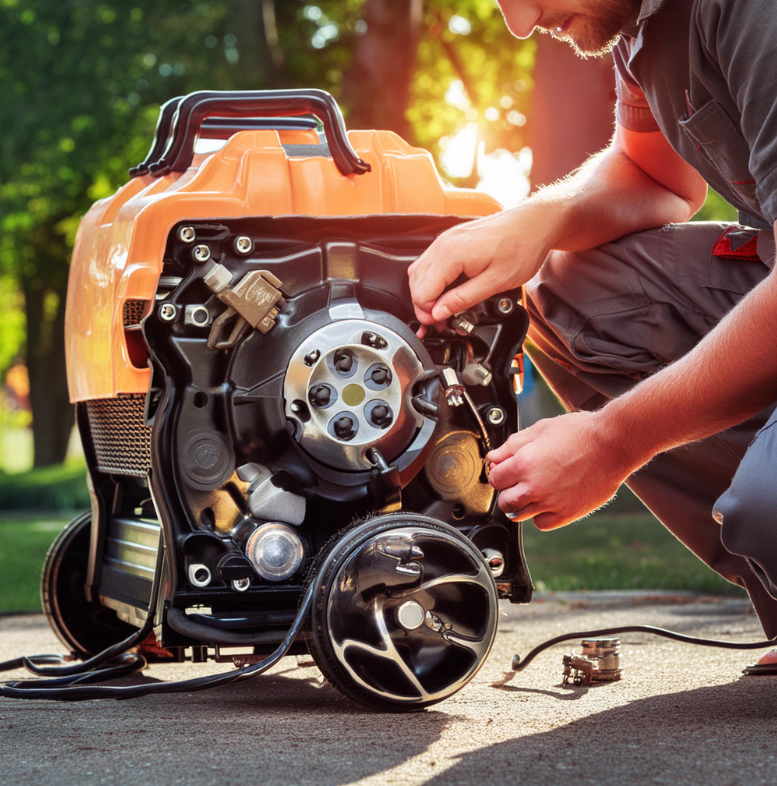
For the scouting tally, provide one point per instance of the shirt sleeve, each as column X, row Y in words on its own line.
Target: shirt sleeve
column 742, row 39
column 631, row 107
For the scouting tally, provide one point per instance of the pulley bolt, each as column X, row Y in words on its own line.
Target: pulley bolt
column 343, row 428
column 505, row 306
column 186, row 234
column 380, row 415
column 312, row 357
column 380, row 375
column 344, row 363
column 201, row 253
column 320, row 396
column 167, row 312
column 243, row 245
column 496, row 416
column 410, row 615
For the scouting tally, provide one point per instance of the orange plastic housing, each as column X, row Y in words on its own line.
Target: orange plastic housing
column 121, row 240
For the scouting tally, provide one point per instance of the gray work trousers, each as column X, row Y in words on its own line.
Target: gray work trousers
column 606, row 318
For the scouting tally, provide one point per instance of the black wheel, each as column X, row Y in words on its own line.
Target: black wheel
column 404, row 613
column 84, row 627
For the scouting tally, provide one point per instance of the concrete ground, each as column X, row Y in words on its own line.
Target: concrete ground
column 680, row 715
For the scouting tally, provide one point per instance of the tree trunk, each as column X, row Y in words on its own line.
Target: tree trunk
column 572, row 112
column 52, row 414
column 376, row 86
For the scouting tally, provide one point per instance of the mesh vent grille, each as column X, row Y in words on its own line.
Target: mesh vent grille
column 121, row 439
column 133, row 311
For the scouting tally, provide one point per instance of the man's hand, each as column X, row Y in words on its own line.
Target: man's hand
column 560, row 469
column 495, row 253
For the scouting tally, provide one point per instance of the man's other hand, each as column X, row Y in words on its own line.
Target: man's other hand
column 559, row 470
column 495, row 253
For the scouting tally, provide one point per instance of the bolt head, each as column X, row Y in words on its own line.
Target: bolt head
column 186, row 234
column 312, row 357
column 167, row 312
column 244, row 245
column 505, row 305
column 320, row 396
column 344, row 363
column 343, row 428
column 496, row 416
column 381, row 415
column 381, row 375
column 201, row 253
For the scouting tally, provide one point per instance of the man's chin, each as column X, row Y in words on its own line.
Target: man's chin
column 586, row 46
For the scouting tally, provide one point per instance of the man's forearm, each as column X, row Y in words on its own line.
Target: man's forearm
column 729, row 376
column 607, row 198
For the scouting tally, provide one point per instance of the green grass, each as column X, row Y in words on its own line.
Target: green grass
column 624, row 552
column 24, row 541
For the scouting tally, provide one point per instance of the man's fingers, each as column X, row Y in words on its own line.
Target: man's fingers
column 508, row 473
column 512, row 444
column 515, row 498
column 548, row 521
column 464, row 296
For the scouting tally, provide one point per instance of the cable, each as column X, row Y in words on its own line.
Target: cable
column 86, row 692
column 519, row 664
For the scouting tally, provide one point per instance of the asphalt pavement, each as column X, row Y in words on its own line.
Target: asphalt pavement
column 680, row 715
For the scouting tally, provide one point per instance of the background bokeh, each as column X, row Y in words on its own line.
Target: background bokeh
column 81, row 82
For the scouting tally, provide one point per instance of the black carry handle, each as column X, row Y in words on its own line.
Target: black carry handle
column 192, row 111
column 162, row 132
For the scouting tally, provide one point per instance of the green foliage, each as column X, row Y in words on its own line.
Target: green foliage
column 716, row 209
column 61, row 488
column 24, row 542
column 606, row 552
column 467, row 45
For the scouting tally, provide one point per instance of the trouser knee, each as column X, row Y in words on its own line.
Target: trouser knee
column 747, row 511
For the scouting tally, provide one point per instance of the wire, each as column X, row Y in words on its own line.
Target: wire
column 519, row 664
column 87, row 692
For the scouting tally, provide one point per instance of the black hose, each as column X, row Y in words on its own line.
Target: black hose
column 87, row 692
column 241, row 621
column 520, row 664
column 182, row 623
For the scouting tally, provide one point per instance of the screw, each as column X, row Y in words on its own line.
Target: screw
column 505, row 306
column 243, row 245
column 320, row 396
column 496, row 416
column 343, row 362
column 167, row 312
column 380, row 375
column 201, row 253
column 381, row 415
column 343, row 428
column 464, row 324
column 241, row 585
column 476, row 374
column 186, row 234
column 312, row 357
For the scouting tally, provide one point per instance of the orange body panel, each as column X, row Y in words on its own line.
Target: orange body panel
column 120, row 243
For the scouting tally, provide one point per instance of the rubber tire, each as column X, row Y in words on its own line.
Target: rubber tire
column 327, row 563
column 85, row 628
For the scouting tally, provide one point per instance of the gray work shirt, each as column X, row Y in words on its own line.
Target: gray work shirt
column 704, row 72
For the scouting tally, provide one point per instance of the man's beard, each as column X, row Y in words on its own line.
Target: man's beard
column 596, row 31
